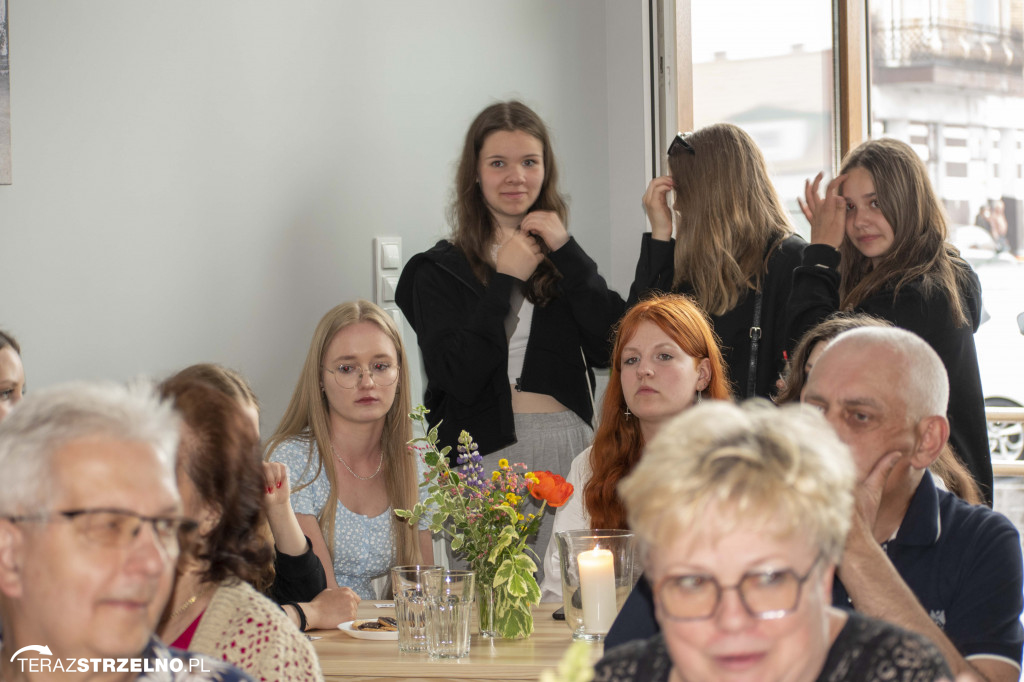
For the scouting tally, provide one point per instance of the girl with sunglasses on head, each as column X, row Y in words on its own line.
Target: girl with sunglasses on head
column 734, row 249
column 510, row 314
column 878, row 246
column 344, row 441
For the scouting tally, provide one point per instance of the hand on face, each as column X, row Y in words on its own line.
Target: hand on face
column 519, row 256
column 827, row 215
column 868, row 494
column 546, row 226
column 659, row 213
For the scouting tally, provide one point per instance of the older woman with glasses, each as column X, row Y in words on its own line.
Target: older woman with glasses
column 344, row 440
column 734, row 250
column 742, row 513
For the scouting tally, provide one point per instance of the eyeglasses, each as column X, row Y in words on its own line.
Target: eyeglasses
column 349, row 376
column 766, row 595
column 119, row 527
column 680, row 142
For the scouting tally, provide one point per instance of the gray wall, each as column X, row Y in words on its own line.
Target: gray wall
column 198, row 181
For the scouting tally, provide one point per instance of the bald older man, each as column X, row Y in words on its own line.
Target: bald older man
column 917, row 555
column 89, row 529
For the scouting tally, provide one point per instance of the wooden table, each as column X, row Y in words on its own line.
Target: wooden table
column 345, row 658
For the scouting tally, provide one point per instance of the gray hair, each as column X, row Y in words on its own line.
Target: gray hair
column 49, row 419
column 919, row 375
column 778, row 469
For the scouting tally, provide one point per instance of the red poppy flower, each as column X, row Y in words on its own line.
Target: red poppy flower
column 551, row 487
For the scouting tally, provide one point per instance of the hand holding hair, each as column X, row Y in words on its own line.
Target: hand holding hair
column 827, row 215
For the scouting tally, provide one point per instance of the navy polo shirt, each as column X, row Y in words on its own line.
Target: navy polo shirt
column 963, row 563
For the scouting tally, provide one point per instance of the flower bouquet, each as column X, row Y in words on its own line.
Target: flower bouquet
column 484, row 520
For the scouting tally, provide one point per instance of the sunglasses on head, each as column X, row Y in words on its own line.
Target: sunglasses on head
column 680, row 142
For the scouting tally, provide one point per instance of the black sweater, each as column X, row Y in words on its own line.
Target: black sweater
column 816, row 295
column 655, row 270
column 460, row 328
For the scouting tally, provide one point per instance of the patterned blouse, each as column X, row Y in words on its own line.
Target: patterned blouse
column 363, row 546
column 866, row 650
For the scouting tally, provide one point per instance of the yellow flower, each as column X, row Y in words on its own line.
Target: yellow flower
column 521, row 517
column 495, row 476
column 503, row 463
column 512, row 499
column 531, row 477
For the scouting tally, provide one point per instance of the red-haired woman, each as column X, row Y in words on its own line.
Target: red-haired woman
column 665, row 359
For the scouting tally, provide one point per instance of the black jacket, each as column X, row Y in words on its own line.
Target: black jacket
column 460, row 327
column 816, row 295
column 655, row 270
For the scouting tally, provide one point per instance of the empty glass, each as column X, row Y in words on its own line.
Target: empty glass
column 409, row 584
column 449, row 611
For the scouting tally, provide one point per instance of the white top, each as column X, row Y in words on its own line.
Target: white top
column 571, row 516
column 517, row 342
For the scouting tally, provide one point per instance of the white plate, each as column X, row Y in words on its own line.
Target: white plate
column 347, row 628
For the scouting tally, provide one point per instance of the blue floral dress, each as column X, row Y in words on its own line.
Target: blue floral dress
column 364, row 548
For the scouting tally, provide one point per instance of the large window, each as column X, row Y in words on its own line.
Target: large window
column 948, row 78
column 751, row 64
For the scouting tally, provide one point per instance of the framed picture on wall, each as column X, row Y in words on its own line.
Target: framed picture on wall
column 5, row 100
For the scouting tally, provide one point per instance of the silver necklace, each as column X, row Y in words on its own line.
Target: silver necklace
column 361, row 478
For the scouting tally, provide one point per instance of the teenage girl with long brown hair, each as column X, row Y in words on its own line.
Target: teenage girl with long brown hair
column 510, row 313
column 879, row 246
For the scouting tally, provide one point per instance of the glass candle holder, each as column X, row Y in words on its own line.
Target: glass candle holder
column 599, row 570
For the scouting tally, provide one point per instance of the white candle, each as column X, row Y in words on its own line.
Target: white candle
column 597, row 590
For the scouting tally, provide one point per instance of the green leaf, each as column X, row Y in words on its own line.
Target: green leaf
column 532, row 590
column 516, row 624
column 517, row 584
column 439, row 518
column 524, row 564
column 403, row 513
column 458, row 541
column 504, row 572
column 508, row 533
column 430, row 458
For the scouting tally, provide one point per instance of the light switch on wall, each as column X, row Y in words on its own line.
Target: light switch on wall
column 387, row 266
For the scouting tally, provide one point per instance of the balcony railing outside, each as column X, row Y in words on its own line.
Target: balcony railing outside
column 923, row 42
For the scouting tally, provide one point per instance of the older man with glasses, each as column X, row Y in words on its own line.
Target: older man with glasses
column 90, row 520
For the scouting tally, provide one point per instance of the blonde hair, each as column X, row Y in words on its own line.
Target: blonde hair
column 306, row 418
column 728, row 213
column 757, row 463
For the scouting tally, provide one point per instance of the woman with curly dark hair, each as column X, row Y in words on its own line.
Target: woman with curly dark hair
column 216, row 607
column 510, row 313
column 665, row 360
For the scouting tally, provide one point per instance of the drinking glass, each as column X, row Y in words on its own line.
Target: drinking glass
column 409, row 584
column 450, row 596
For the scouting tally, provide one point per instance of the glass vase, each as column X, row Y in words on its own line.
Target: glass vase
column 502, row 616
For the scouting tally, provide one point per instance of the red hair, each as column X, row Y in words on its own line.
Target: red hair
column 619, row 442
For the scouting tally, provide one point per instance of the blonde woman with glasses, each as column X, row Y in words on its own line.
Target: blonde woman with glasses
column 344, row 440
column 742, row 515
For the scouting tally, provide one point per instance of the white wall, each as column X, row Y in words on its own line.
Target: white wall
column 198, row 181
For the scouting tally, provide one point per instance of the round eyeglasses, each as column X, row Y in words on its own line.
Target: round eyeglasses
column 765, row 595
column 381, row 373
